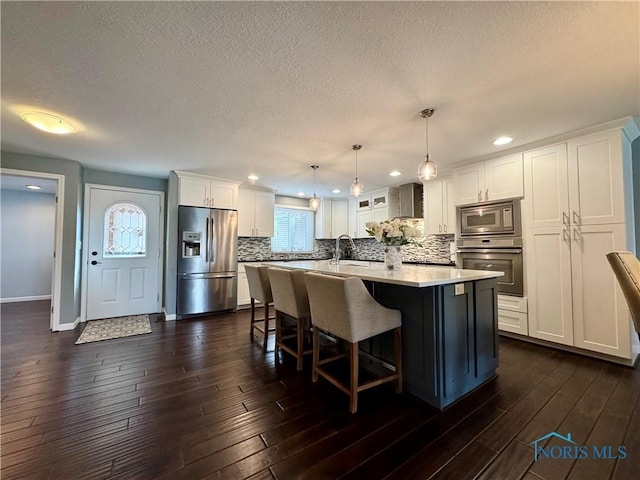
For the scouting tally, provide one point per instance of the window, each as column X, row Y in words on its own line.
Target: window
column 125, row 231
column 293, row 230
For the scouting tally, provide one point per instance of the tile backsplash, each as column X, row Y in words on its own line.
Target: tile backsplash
column 432, row 249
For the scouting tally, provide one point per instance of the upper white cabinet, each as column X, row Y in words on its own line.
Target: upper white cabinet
column 352, row 206
column 202, row 191
column 439, row 206
column 596, row 180
column 580, row 182
column 376, row 206
column 546, row 187
column 255, row 213
column 491, row 180
column 332, row 218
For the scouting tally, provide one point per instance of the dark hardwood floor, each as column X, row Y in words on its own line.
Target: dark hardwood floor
column 196, row 399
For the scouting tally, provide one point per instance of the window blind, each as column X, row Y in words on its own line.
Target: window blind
column 293, row 230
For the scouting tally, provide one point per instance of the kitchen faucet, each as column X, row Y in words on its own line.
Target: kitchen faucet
column 336, row 256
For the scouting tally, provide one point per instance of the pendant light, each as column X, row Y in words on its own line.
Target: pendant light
column 356, row 187
column 427, row 169
column 314, row 202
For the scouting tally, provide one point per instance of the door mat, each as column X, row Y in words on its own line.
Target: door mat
column 110, row 328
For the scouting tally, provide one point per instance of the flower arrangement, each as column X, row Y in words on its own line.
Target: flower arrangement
column 394, row 232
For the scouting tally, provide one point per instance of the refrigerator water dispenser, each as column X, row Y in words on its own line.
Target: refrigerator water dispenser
column 191, row 244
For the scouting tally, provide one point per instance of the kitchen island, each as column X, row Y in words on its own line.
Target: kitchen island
column 449, row 324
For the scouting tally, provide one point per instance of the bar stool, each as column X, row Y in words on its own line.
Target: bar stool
column 259, row 289
column 344, row 308
column 290, row 299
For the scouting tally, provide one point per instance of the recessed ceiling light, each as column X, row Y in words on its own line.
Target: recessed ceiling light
column 48, row 123
column 253, row 177
column 301, row 194
column 395, row 173
column 335, row 190
column 33, row 187
column 502, row 140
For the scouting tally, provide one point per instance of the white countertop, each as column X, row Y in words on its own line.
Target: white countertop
column 410, row 275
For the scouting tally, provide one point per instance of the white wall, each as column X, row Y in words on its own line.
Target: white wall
column 26, row 251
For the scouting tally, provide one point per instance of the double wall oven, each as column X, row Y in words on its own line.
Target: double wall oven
column 490, row 238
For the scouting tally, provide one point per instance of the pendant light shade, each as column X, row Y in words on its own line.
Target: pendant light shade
column 427, row 169
column 314, row 202
column 356, row 187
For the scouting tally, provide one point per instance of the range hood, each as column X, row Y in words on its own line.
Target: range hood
column 411, row 200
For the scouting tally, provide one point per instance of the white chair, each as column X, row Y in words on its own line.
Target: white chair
column 344, row 308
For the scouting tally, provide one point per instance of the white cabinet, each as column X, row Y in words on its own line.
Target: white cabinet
column 255, row 213
column 575, row 214
column 546, row 187
column 512, row 314
column 352, row 206
column 202, row 191
column 439, row 206
column 243, row 295
column 332, row 218
column 376, row 206
column 491, row 180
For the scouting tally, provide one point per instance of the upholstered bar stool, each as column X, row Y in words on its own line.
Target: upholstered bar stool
column 626, row 268
column 290, row 298
column 260, row 290
column 344, row 308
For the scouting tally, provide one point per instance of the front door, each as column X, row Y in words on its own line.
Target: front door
column 123, row 261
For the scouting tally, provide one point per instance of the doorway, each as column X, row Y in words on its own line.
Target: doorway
column 122, row 258
column 54, row 185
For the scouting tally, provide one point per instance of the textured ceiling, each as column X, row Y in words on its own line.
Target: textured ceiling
column 232, row 88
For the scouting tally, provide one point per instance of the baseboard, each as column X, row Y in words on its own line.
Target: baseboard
column 580, row 351
column 25, row 299
column 168, row 317
column 63, row 327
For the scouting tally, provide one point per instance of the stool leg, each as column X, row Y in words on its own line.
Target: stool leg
column 353, row 404
column 253, row 317
column 278, row 335
column 300, row 338
column 398, row 355
column 316, row 354
column 266, row 325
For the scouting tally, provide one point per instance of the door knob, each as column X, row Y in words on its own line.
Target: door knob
column 94, row 253
column 94, row 262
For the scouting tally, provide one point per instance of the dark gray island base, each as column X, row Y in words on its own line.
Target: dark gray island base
column 450, row 342
column 449, row 325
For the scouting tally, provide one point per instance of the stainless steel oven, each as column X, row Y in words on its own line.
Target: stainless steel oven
column 490, row 218
column 496, row 254
column 490, row 238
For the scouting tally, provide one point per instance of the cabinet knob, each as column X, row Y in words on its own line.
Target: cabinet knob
column 445, row 229
column 479, row 195
column 440, row 228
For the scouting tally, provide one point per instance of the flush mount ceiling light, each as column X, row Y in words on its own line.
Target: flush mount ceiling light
column 301, row 194
column 253, row 177
column 314, row 202
column 356, row 187
column 33, row 187
column 427, row 169
column 48, row 123
column 395, row 173
column 335, row 190
column 502, row 140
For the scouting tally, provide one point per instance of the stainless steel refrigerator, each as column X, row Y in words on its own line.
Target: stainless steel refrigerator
column 207, row 260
